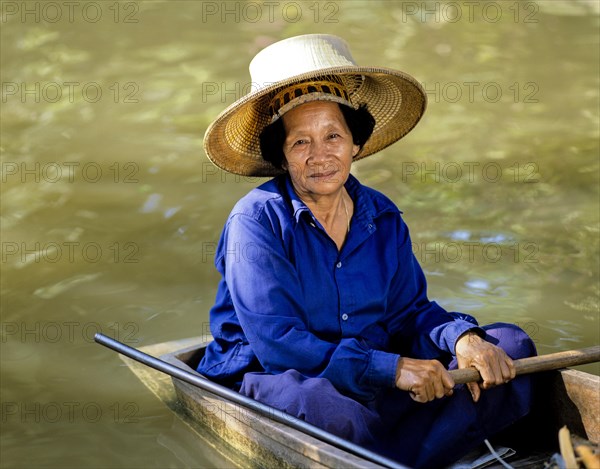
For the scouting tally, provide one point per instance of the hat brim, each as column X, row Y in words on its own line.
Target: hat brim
column 395, row 99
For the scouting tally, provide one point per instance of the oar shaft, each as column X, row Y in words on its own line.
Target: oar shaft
column 552, row 361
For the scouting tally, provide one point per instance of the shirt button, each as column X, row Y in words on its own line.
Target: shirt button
column 344, row 317
column 339, row 265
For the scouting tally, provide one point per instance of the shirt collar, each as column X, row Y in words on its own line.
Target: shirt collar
column 365, row 210
column 298, row 207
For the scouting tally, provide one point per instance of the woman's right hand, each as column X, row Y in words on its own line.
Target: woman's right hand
column 425, row 380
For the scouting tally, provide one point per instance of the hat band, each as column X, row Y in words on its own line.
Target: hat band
column 326, row 89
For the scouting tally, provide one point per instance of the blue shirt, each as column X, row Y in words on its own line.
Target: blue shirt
column 288, row 299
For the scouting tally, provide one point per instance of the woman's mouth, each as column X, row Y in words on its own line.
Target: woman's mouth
column 323, row 174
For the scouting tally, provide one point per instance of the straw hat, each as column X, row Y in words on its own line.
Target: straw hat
column 307, row 68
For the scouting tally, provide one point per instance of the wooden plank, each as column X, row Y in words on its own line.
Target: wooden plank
column 583, row 390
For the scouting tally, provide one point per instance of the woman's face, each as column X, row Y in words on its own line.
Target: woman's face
column 318, row 148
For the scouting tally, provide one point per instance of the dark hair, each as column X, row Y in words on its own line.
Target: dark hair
column 359, row 121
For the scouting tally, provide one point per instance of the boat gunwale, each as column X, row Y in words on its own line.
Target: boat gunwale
column 304, row 447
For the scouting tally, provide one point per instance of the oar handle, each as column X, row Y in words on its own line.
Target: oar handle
column 552, row 361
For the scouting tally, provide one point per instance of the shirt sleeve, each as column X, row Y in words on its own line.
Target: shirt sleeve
column 266, row 294
column 419, row 328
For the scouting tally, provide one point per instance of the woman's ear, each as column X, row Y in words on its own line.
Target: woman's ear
column 355, row 150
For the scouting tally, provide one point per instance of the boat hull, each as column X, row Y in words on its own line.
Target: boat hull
column 249, row 439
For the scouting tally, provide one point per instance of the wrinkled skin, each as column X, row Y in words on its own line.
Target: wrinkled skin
column 426, row 380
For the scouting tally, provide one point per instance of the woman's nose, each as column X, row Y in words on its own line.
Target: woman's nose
column 318, row 152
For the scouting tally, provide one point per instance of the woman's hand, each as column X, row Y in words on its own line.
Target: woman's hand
column 493, row 364
column 425, row 380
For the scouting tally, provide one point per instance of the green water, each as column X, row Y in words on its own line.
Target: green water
column 111, row 212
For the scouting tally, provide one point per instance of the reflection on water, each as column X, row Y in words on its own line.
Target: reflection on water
column 111, row 212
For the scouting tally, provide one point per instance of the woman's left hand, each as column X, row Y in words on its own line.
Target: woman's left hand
column 493, row 364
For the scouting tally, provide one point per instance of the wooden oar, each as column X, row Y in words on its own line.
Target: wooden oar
column 552, row 361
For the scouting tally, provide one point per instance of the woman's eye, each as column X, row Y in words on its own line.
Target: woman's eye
column 299, row 142
column 334, row 135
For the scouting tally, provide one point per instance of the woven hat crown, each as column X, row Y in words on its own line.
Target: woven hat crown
column 395, row 99
column 296, row 56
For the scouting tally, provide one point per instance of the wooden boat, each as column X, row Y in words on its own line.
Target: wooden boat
column 248, row 439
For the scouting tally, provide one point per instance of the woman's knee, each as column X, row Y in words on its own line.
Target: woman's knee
column 314, row 400
column 511, row 338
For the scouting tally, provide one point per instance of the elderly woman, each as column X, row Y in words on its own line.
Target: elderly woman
column 322, row 310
